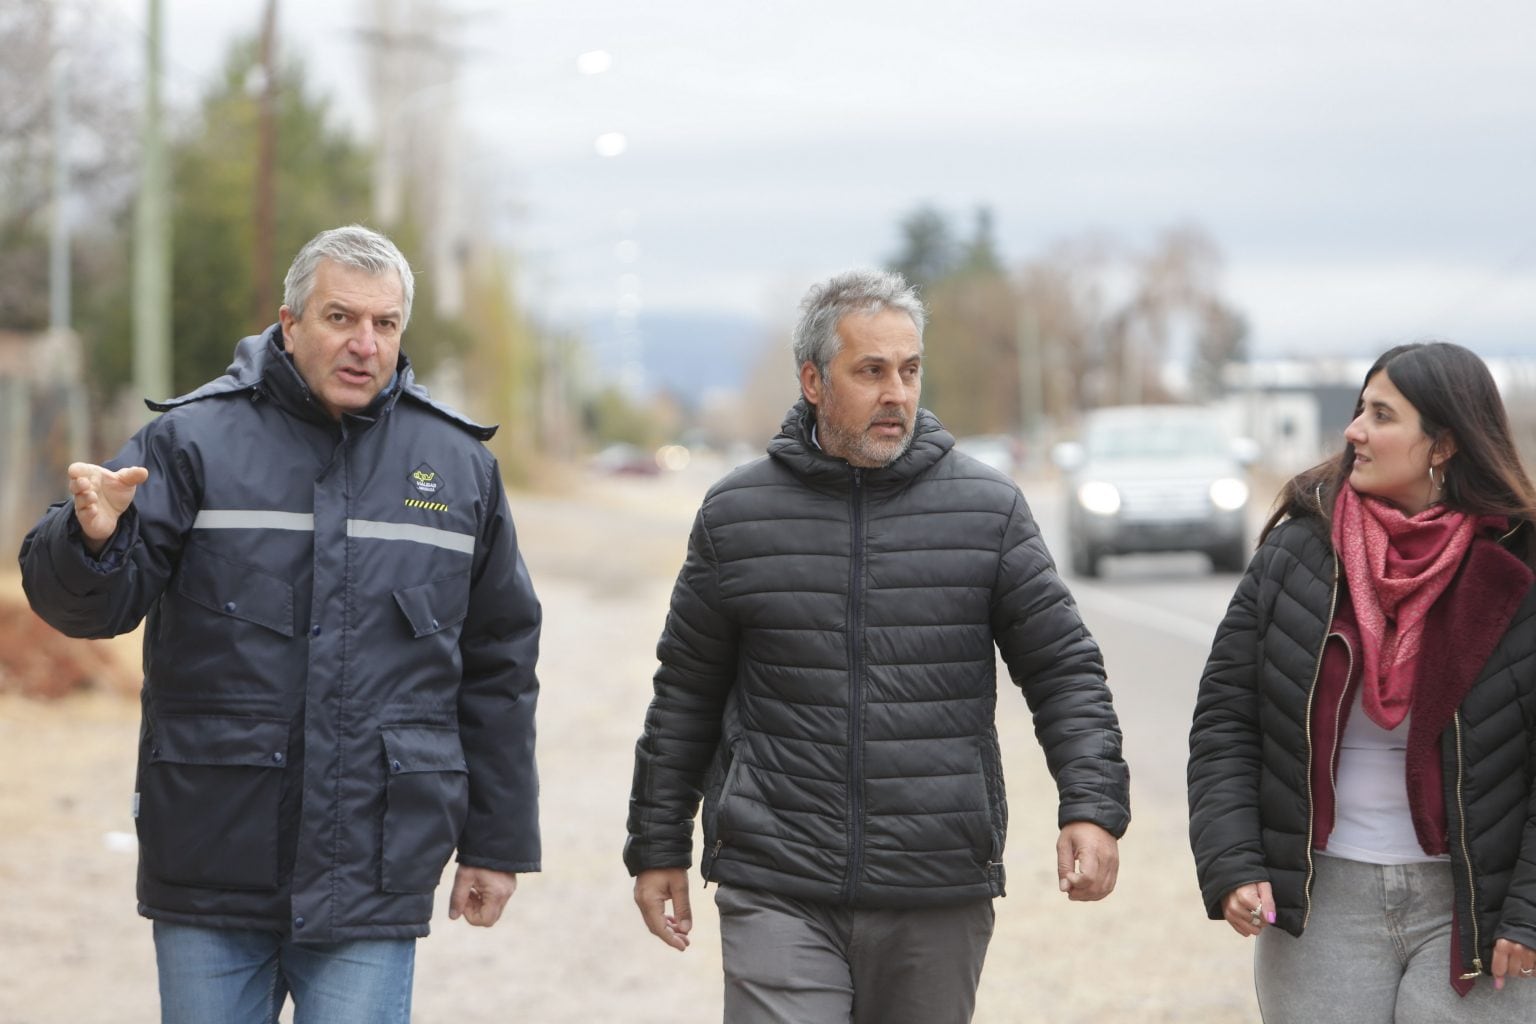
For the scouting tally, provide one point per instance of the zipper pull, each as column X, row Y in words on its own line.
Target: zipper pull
column 712, row 855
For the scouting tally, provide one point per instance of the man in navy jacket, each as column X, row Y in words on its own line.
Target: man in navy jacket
column 339, row 656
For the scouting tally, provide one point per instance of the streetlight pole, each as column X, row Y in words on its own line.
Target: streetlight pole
column 58, row 236
column 59, row 281
column 151, row 237
column 266, row 174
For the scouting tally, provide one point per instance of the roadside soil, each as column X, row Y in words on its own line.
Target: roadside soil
column 571, row 948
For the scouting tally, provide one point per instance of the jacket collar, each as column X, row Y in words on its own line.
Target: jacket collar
column 793, row 447
column 261, row 366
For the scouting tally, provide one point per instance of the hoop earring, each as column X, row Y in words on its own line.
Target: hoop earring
column 1438, row 485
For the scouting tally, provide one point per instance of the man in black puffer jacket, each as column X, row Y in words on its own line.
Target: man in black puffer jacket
column 828, row 688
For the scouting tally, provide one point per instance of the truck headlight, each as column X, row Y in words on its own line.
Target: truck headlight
column 1099, row 498
column 1229, row 494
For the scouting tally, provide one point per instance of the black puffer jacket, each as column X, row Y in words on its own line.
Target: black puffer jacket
column 1251, row 748
column 339, row 655
column 828, row 680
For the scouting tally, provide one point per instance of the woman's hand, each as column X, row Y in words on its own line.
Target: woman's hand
column 1248, row 908
column 1511, row 959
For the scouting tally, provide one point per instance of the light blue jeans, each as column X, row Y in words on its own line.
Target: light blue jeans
column 235, row 976
column 1377, row 950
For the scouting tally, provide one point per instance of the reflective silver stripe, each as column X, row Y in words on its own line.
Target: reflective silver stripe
column 373, row 530
column 252, row 519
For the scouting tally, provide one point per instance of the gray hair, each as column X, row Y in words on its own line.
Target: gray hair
column 852, row 291
column 352, row 246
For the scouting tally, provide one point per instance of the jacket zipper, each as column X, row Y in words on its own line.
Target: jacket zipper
column 725, row 791
column 855, row 689
column 1338, row 723
column 1317, row 670
column 1466, row 858
column 714, row 858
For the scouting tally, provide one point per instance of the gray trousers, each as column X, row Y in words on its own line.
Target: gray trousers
column 789, row 961
column 1377, row 951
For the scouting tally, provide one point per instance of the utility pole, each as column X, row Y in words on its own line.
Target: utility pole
column 59, row 282
column 1031, row 373
column 58, row 235
column 266, row 175
column 152, row 236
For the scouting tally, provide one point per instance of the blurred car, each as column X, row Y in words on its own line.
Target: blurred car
column 625, row 460
column 1156, row 478
column 999, row 451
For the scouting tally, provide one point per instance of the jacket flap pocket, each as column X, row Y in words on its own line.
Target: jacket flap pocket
column 430, row 607
column 239, row 591
column 220, row 740
column 423, row 748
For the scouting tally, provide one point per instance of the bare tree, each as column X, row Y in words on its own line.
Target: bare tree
column 34, row 34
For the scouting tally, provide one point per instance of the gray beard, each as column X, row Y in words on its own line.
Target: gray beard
column 859, row 449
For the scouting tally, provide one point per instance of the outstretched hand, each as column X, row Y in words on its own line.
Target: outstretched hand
column 101, row 497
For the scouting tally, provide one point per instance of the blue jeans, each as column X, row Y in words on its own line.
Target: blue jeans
column 237, row 976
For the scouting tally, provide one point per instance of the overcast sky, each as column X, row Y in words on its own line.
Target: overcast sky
column 1367, row 167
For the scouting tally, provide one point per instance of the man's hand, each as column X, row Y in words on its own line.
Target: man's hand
column 479, row 894
column 653, row 889
column 1087, row 861
column 101, row 497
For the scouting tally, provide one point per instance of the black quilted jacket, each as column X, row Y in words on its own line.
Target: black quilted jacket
column 828, row 680
column 1250, row 747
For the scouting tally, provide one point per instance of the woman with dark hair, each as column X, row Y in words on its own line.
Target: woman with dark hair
column 1364, row 743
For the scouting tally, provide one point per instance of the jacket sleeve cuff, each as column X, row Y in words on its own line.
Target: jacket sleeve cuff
column 81, row 573
column 515, row 867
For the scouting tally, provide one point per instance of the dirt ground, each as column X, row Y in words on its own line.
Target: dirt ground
column 571, row 947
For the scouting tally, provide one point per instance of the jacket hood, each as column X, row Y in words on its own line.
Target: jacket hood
column 793, row 447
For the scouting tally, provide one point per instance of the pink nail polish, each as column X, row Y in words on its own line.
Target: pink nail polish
column 1270, row 917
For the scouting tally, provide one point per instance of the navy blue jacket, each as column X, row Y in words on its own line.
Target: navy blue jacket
column 339, row 655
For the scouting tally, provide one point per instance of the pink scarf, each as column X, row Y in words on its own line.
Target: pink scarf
column 1396, row 566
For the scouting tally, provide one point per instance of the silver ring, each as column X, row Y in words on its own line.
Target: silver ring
column 1255, row 916
column 1527, row 971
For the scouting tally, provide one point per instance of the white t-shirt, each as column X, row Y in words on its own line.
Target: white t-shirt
column 1372, row 820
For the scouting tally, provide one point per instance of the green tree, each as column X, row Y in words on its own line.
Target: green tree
column 322, row 179
column 97, row 152
column 980, row 253
column 927, row 250
column 970, row 374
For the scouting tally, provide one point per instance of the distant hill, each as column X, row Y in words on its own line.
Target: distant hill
column 685, row 353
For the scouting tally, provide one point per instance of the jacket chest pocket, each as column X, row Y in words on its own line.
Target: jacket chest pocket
column 237, row 591
column 209, row 794
column 426, row 799
column 432, row 607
